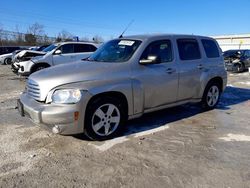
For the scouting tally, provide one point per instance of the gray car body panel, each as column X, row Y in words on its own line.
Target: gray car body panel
column 146, row 87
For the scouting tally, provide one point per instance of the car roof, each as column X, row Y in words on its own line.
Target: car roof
column 75, row 42
column 153, row 36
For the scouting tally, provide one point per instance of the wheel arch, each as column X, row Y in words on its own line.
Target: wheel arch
column 218, row 80
column 112, row 94
column 36, row 65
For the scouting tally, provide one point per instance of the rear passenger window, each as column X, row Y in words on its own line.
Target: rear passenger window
column 161, row 50
column 188, row 49
column 210, row 48
column 84, row 48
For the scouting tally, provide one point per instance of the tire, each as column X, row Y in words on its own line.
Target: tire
column 105, row 118
column 7, row 61
column 38, row 68
column 239, row 67
column 211, row 96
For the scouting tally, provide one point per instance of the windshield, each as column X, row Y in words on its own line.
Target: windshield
column 119, row 50
column 49, row 48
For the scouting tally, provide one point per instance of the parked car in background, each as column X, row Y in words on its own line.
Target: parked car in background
column 6, row 54
column 27, row 62
column 6, row 59
column 124, row 79
column 8, row 49
column 39, row 48
column 237, row 60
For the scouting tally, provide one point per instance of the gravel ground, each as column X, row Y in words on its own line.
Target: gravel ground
column 177, row 147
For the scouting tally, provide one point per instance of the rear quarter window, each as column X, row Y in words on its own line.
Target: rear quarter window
column 188, row 49
column 210, row 48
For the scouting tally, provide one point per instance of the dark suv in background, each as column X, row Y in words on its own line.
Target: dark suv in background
column 237, row 60
column 8, row 49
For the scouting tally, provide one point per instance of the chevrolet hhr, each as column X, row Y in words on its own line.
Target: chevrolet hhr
column 123, row 79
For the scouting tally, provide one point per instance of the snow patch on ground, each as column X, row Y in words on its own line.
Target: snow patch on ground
column 236, row 137
column 151, row 131
column 110, row 143
column 244, row 83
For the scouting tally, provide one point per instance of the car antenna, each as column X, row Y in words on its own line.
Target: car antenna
column 126, row 28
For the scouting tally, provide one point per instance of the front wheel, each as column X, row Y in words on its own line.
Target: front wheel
column 38, row 68
column 211, row 96
column 105, row 118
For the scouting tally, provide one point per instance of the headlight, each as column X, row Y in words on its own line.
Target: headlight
column 66, row 96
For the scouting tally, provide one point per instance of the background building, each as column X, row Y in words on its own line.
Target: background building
column 228, row 42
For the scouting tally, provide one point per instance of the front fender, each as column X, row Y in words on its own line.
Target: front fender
column 95, row 87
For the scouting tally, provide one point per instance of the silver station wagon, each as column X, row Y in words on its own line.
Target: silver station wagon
column 123, row 79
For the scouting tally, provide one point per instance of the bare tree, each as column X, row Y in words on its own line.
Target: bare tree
column 1, row 35
column 98, row 39
column 19, row 37
column 36, row 29
column 34, row 34
column 85, row 39
column 64, row 36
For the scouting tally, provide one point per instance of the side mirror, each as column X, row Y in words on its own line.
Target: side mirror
column 149, row 60
column 58, row 52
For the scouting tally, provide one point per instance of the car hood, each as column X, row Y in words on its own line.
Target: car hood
column 30, row 52
column 56, row 76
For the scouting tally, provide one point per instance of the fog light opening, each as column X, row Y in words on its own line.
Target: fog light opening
column 56, row 129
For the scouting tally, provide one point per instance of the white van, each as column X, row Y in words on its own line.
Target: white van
column 59, row 53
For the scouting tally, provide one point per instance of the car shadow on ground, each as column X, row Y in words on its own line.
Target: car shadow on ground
column 231, row 96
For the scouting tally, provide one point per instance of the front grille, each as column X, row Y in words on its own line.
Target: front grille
column 33, row 89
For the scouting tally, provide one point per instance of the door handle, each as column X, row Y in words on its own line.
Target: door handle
column 170, row 70
column 200, row 66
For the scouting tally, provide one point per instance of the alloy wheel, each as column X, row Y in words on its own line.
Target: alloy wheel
column 213, row 96
column 106, row 119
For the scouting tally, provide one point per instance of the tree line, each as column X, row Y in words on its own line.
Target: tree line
column 36, row 36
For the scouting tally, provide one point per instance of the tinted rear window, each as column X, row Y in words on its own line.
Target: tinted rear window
column 188, row 49
column 84, row 48
column 210, row 48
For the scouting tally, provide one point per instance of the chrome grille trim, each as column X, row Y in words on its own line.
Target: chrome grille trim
column 33, row 89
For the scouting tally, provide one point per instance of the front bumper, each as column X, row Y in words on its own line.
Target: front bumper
column 14, row 68
column 230, row 67
column 61, row 116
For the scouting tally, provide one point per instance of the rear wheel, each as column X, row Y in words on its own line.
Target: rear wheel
column 105, row 118
column 239, row 67
column 211, row 96
column 7, row 61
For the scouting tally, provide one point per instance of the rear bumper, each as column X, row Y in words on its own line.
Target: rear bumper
column 63, row 116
